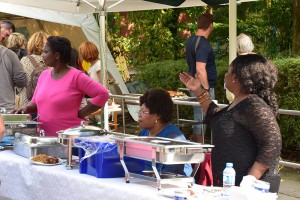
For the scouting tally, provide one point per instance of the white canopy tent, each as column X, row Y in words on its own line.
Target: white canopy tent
column 80, row 13
column 93, row 6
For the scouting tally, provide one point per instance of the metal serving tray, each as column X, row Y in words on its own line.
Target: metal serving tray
column 29, row 146
column 167, row 151
column 162, row 150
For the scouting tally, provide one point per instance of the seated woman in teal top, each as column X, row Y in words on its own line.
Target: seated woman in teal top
column 155, row 117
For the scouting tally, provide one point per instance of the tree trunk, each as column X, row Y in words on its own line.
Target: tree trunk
column 296, row 27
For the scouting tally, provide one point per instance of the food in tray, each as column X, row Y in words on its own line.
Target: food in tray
column 177, row 94
column 43, row 158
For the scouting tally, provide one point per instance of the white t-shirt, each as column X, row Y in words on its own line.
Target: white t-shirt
column 94, row 69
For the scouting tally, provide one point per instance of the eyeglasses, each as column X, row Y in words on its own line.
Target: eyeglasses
column 142, row 113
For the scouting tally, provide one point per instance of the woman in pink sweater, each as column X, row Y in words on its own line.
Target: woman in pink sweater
column 60, row 90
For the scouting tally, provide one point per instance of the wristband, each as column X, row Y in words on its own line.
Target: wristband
column 207, row 90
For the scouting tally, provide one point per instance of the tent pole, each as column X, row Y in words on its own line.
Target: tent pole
column 103, row 57
column 232, row 29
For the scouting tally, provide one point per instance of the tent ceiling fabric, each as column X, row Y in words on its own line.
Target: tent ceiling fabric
column 92, row 6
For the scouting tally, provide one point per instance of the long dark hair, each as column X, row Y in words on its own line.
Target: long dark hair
column 257, row 75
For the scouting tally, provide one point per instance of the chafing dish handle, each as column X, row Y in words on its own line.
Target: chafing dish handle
column 194, row 150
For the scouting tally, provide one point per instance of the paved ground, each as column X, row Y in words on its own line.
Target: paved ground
column 290, row 184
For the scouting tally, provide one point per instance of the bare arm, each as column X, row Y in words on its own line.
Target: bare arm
column 88, row 109
column 99, row 76
column 194, row 85
column 30, row 108
column 202, row 74
column 258, row 169
column 2, row 128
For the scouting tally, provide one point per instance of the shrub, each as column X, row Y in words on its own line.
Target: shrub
column 162, row 74
column 288, row 98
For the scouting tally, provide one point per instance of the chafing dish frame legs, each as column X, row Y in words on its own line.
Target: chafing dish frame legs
column 159, row 181
column 69, row 165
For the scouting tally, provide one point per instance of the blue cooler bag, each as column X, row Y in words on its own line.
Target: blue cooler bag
column 99, row 157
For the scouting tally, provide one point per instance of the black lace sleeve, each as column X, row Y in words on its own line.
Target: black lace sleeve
column 257, row 116
column 211, row 111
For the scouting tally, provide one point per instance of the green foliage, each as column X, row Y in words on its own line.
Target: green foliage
column 222, row 67
column 155, row 36
column 269, row 25
column 288, row 98
column 162, row 74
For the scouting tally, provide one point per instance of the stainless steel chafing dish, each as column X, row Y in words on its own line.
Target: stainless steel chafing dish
column 67, row 137
column 18, row 123
column 161, row 150
column 29, row 146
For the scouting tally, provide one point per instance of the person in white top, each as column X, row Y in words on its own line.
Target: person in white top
column 244, row 45
column 89, row 52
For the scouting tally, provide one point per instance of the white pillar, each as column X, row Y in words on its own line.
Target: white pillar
column 232, row 29
column 102, row 52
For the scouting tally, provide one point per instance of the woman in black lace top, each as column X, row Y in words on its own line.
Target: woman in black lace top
column 246, row 132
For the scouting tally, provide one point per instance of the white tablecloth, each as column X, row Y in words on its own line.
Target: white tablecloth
column 20, row 180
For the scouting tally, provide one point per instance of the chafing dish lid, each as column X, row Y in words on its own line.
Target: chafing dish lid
column 81, row 131
column 27, row 139
column 163, row 142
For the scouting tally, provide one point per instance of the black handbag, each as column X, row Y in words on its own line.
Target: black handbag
column 274, row 181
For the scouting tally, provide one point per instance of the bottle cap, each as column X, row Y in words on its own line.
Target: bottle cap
column 229, row 164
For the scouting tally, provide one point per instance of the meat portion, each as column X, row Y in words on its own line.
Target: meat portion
column 43, row 158
column 177, row 94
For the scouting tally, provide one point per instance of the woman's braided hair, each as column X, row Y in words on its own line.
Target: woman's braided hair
column 257, row 76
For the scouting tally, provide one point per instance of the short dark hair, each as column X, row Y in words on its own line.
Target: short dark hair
column 159, row 102
column 204, row 21
column 61, row 45
column 8, row 25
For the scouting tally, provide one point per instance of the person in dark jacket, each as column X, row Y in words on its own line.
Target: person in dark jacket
column 17, row 43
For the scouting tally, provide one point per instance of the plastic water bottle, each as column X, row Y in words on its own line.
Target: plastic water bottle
column 228, row 177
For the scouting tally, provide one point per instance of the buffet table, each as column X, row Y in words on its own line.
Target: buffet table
column 21, row 180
